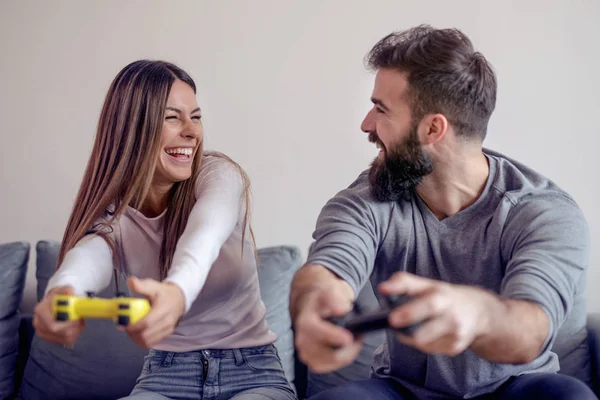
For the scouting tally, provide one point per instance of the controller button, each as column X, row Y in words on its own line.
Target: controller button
column 62, row 316
column 123, row 320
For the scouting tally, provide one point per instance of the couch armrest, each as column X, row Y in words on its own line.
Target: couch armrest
column 593, row 326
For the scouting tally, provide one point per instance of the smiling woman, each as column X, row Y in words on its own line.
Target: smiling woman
column 156, row 207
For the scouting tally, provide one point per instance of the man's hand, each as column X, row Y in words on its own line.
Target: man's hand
column 321, row 345
column 454, row 315
column 317, row 294
column 46, row 327
column 168, row 305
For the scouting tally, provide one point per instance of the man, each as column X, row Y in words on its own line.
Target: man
column 489, row 251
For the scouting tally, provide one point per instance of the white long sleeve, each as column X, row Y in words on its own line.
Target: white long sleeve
column 223, row 307
column 88, row 267
column 219, row 192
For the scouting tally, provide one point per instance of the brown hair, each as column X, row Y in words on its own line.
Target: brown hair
column 445, row 75
column 123, row 159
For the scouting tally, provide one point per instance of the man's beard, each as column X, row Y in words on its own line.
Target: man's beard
column 402, row 168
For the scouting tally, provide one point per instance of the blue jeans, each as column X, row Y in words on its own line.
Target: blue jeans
column 523, row 387
column 242, row 374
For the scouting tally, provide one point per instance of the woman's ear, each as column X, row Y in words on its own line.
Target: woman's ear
column 432, row 128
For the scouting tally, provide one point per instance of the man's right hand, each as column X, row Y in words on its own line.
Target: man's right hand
column 46, row 327
column 321, row 345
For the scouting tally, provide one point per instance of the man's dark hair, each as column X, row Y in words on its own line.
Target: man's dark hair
column 445, row 75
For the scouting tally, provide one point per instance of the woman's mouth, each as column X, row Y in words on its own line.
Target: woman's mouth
column 180, row 154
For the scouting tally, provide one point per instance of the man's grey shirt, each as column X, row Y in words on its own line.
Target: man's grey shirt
column 524, row 238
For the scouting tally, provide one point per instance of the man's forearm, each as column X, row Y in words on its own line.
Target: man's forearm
column 314, row 277
column 513, row 331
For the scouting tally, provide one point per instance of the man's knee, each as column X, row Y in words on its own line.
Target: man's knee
column 554, row 386
column 361, row 390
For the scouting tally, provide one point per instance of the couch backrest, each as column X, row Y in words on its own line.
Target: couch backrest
column 13, row 268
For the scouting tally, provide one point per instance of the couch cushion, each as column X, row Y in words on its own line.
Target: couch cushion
column 361, row 367
column 276, row 268
column 104, row 364
column 13, row 270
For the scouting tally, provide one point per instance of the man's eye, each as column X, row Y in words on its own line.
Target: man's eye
column 379, row 110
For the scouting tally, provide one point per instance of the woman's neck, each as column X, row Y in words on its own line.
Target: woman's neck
column 156, row 201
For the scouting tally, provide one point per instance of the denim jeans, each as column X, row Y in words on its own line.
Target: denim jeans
column 243, row 374
column 524, row 387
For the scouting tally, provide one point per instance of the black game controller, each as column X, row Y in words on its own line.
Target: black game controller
column 359, row 322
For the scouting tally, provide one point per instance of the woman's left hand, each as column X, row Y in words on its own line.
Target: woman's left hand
column 168, row 304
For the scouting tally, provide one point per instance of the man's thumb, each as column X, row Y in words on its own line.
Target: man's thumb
column 333, row 302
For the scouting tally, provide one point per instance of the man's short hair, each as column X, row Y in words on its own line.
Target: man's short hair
column 445, row 75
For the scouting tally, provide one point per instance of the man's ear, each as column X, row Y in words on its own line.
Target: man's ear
column 433, row 128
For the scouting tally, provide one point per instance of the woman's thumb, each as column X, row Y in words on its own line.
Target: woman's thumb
column 62, row 290
column 144, row 287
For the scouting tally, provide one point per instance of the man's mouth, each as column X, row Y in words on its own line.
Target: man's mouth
column 373, row 138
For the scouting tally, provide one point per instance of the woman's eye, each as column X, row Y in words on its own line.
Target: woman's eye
column 171, row 117
column 197, row 117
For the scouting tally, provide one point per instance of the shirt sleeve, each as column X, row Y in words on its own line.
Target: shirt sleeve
column 87, row 267
column 219, row 194
column 346, row 236
column 547, row 239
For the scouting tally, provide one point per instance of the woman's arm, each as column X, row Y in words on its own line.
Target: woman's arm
column 219, row 194
column 87, row 267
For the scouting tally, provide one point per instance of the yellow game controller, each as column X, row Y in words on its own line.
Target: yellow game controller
column 123, row 310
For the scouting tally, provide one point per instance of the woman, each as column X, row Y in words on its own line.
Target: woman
column 153, row 206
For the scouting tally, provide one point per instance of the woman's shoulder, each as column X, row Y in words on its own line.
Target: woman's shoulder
column 213, row 160
column 217, row 166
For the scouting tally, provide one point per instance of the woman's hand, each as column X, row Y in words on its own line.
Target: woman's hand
column 46, row 327
column 168, row 304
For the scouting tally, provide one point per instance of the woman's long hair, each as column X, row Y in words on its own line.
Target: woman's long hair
column 123, row 160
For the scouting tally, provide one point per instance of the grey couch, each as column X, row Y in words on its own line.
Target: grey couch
column 104, row 364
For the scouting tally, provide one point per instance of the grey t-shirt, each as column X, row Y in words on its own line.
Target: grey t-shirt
column 524, row 238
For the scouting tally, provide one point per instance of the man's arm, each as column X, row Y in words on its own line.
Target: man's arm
column 339, row 263
column 546, row 244
column 316, row 294
column 458, row 317
column 513, row 331
column 314, row 278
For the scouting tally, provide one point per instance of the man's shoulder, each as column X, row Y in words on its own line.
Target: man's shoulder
column 359, row 191
column 519, row 182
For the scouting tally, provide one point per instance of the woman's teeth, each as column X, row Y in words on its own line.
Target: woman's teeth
column 184, row 151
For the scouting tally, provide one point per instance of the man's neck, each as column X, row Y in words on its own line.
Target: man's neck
column 456, row 183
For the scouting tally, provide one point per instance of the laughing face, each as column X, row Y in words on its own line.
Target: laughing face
column 181, row 135
column 401, row 163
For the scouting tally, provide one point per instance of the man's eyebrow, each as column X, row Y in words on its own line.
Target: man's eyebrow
column 380, row 103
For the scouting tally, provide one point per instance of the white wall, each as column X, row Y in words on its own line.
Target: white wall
column 283, row 90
